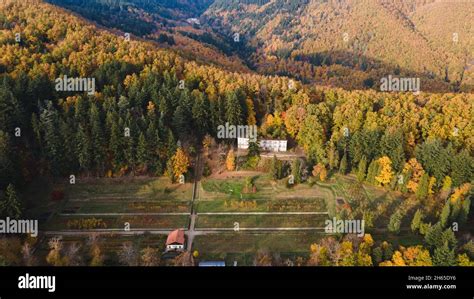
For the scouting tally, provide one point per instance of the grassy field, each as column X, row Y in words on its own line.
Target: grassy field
column 263, row 221
column 141, row 188
column 228, row 195
column 119, row 195
column 117, row 206
column 262, row 205
column 266, row 189
column 242, row 246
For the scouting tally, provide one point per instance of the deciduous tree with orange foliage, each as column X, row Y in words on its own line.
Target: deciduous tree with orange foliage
column 411, row 256
column 180, row 163
column 230, row 160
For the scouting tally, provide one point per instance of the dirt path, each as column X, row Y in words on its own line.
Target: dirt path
column 191, row 232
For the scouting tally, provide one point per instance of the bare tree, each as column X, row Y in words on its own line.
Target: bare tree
column 185, row 259
column 55, row 243
column 150, row 257
column 28, row 258
column 263, row 259
column 315, row 259
column 73, row 255
column 54, row 256
column 333, row 247
column 96, row 253
column 128, row 255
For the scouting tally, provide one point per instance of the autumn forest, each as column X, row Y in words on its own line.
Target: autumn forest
column 164, row 81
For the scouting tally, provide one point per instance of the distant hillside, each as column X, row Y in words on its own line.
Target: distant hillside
column 172, row 23
column 352, row 44
column 137, row 16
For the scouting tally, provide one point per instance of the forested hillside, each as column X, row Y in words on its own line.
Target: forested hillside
column 136, row 15
column 352, row 44
column 162, row 98
column 172, row 24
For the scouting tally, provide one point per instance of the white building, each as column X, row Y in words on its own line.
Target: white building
column 193, row 21
column 242, row 143
column 272, row 145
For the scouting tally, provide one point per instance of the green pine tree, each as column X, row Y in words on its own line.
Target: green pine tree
column 10, row 206
column 343, row 166
column 296, row 170
column 142, row 151
column 6, row 164
column 416, row 222
column 423, row 186
column 462, row 168
column 233, row 109
column 53, row 145
column 116, row 144
column 201, row 115
column 444, row 217
column 97, row 139
column 362, row 169
column 395, row 222
column 444, row 256
column 391, row 145
column 372, row 171
column 434, row 236
column 464, row 213
column 276, row 168
column 83, row 149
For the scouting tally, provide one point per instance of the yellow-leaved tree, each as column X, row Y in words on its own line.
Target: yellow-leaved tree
column 386, row 173
column 460, row 192
column 180, row 163
column 230, row 161
column 411, row 256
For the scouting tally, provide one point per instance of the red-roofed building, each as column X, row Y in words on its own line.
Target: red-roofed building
column 175, row 240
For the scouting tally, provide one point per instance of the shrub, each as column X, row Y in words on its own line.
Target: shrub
column 207, row 170
column 89, row 223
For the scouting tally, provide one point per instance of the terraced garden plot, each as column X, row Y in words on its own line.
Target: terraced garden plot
column 118, row 222
column 260, row 221
column 212, row 189
column 126, row 189
column 275, row 205
column 243, row 246
column 111, row 200
column 109, row 206
column 265, row 189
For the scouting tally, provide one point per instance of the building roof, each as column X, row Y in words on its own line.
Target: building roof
column 176, row 236
column 264, row 139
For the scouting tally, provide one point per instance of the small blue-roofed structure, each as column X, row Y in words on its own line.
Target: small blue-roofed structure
column 212, row 264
